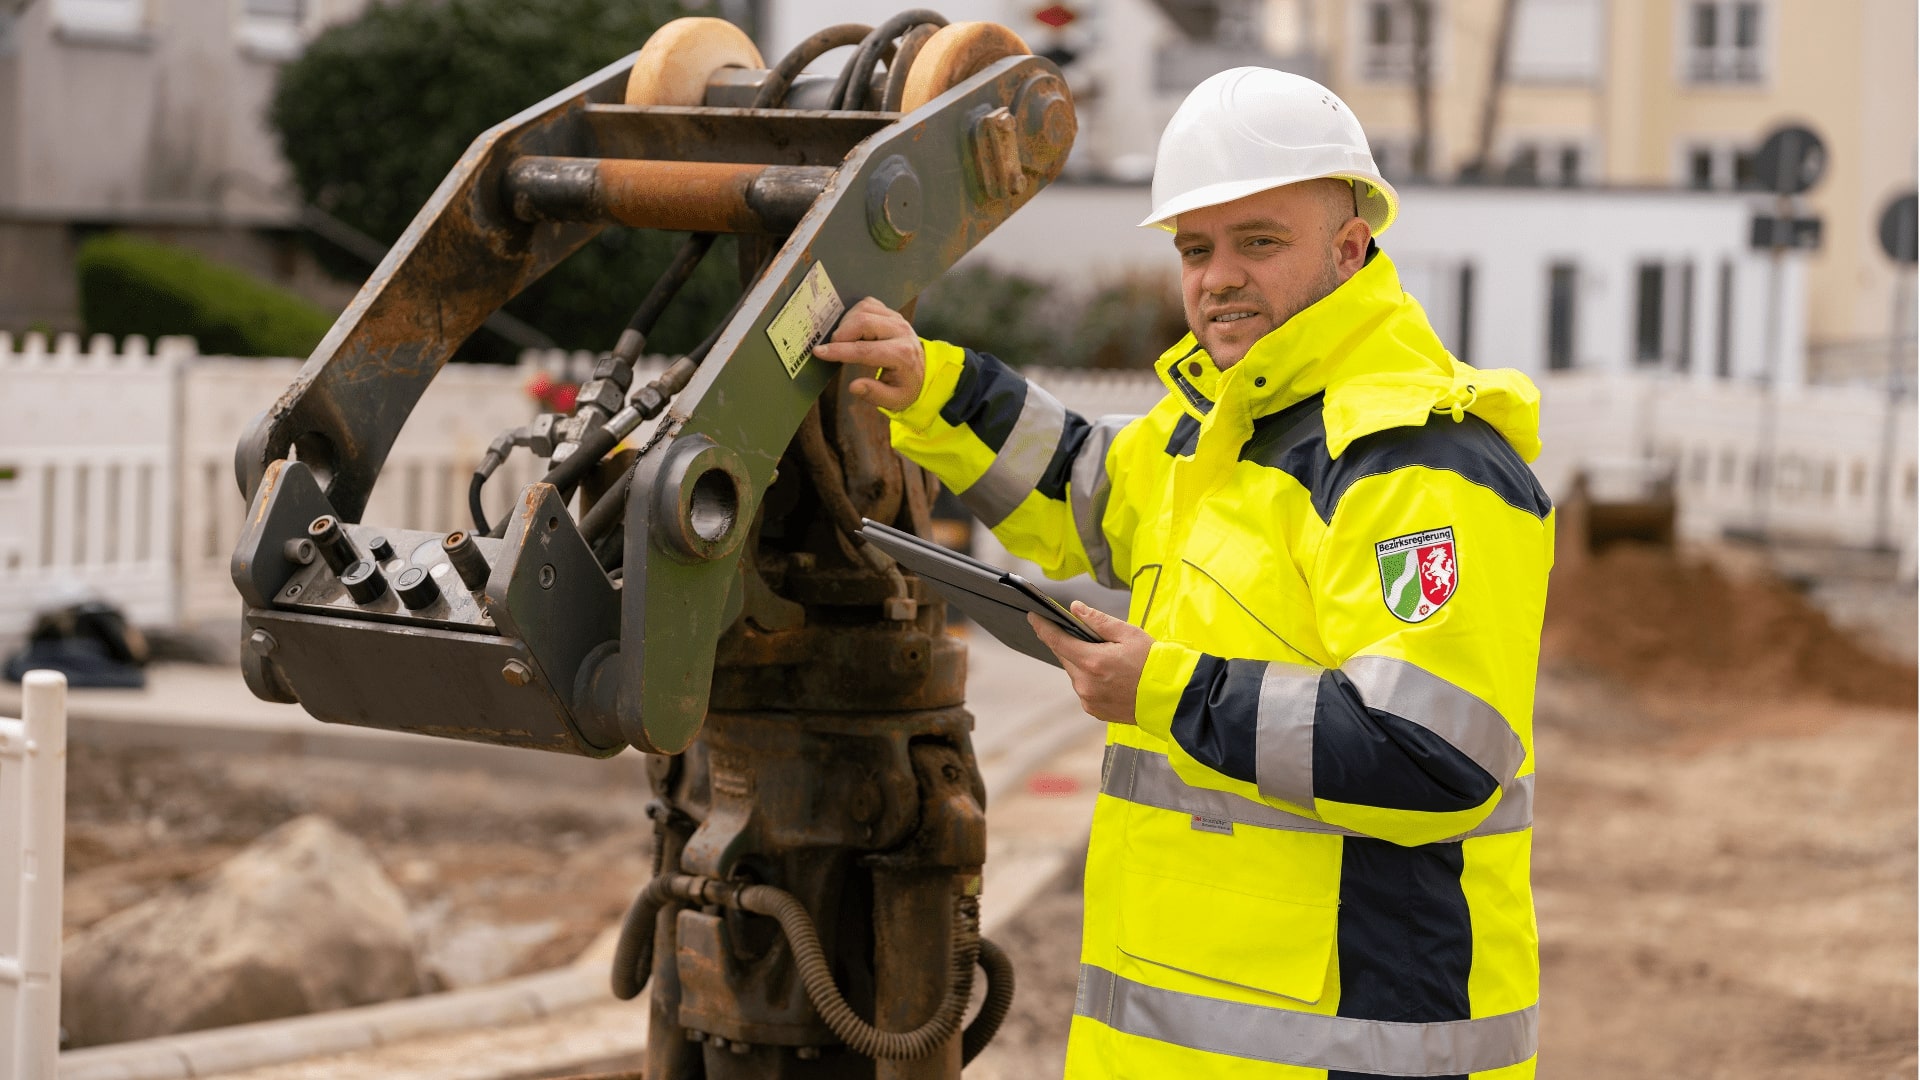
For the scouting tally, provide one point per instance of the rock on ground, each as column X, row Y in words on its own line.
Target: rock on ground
column 301, row 921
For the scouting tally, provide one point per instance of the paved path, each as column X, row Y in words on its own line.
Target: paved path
column 1015, row 699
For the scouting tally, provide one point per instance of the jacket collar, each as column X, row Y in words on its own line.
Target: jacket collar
column 1369, row 347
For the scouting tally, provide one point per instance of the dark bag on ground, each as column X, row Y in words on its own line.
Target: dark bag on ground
column 90, row 643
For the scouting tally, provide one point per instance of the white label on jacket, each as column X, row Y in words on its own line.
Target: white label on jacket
column 1206, row 823
column 807, row 317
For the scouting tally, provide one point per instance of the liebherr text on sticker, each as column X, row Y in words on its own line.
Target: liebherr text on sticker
column 807, row 316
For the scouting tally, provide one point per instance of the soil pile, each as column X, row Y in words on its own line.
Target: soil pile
column 1659, row 621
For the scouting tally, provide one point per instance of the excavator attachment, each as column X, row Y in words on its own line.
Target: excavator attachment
column 589, row 632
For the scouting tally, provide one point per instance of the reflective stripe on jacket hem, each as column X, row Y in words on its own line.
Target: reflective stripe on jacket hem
column 1022, row 460
column 1309, row 1040
column 1147, row 778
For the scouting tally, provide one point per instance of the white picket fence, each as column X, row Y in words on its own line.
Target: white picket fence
column 116, row 466
column 87, row 457
column 33, row 813
column 1818, row 454
column 1812, row 464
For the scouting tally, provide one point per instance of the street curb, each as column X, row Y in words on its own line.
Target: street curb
column 272, row 1042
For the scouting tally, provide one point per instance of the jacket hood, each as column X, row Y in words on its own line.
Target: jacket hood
column 1368, row 346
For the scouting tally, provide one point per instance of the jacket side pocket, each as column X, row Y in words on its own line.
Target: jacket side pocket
column 1218, row 935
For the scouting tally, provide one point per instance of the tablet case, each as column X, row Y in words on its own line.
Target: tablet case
column 999, row 601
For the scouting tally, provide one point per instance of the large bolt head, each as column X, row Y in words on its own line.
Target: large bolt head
column 894, row 208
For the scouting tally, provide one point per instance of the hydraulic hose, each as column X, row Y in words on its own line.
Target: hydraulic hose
column 999, row 1001
column 850, row 90
column 474, row 487
column 817, row 977
column 665, row 288
column 601, row 440
column 633, row 954
column 633, row 963
column 651, row 400
column 774, row 91
column 910, row 45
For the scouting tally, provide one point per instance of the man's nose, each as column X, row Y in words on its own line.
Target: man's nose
column 1224, row 274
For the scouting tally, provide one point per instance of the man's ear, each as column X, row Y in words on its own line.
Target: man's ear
column 1350, row 246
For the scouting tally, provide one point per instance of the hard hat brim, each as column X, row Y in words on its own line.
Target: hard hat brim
column 1378, row 207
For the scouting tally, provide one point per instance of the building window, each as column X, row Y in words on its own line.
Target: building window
column 104, row 18
column 273, row 28
column 1393, row 155
column 1562, row 278
column 1557, row 41
column 1723, row 41
column 1723, row 323
column 1524, row 168
column 1463, row 342
column 1650, row 295
column 1683, row 344
column 1663, row 315
column 1570, row 159
column 1387, row 33
column 1706, row 166
column 1535, row 162
column 1445, row 290
column 1700, row 168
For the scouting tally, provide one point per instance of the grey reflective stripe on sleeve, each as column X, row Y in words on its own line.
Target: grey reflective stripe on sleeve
column 1088, row 487
column 1283, row 732
column 1308, row 1040
column 1416, row 695
column 1144, row 777
column 1022, row 460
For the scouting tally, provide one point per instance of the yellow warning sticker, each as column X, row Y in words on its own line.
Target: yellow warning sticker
column 807, row 317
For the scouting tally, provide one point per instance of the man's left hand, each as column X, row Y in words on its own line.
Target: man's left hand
column 1105, row 674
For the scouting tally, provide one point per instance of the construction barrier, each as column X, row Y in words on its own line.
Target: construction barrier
column 33, row 814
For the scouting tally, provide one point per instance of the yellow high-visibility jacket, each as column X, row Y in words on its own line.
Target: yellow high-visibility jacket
column 1310, row 858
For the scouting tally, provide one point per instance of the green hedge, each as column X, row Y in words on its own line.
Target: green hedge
column 134, row 286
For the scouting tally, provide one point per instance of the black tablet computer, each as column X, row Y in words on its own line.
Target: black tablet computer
column 999, row 601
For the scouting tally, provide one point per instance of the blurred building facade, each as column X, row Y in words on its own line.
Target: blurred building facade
column 146, row 115
column 1657, row 93
column 1616, row 94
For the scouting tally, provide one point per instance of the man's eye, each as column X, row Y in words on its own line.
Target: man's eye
column 1262, row 241
column 1192, row 252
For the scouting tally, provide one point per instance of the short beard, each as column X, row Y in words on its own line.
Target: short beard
column 1319, row 289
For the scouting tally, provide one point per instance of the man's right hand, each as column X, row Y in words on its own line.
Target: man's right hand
column 874, row 336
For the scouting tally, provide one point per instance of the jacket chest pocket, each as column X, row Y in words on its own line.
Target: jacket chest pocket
column 1245, row 600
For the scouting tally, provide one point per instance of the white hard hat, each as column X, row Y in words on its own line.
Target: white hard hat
column 1250, row 129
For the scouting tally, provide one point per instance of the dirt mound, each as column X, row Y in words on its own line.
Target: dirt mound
column 1660, row 621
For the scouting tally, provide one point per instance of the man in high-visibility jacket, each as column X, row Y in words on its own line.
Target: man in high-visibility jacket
column 1310, row 854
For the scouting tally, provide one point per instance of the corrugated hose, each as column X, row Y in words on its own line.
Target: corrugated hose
column 633, row 963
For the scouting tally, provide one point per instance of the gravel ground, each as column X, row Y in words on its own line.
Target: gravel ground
column 503, row 876
column 1725, row 889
